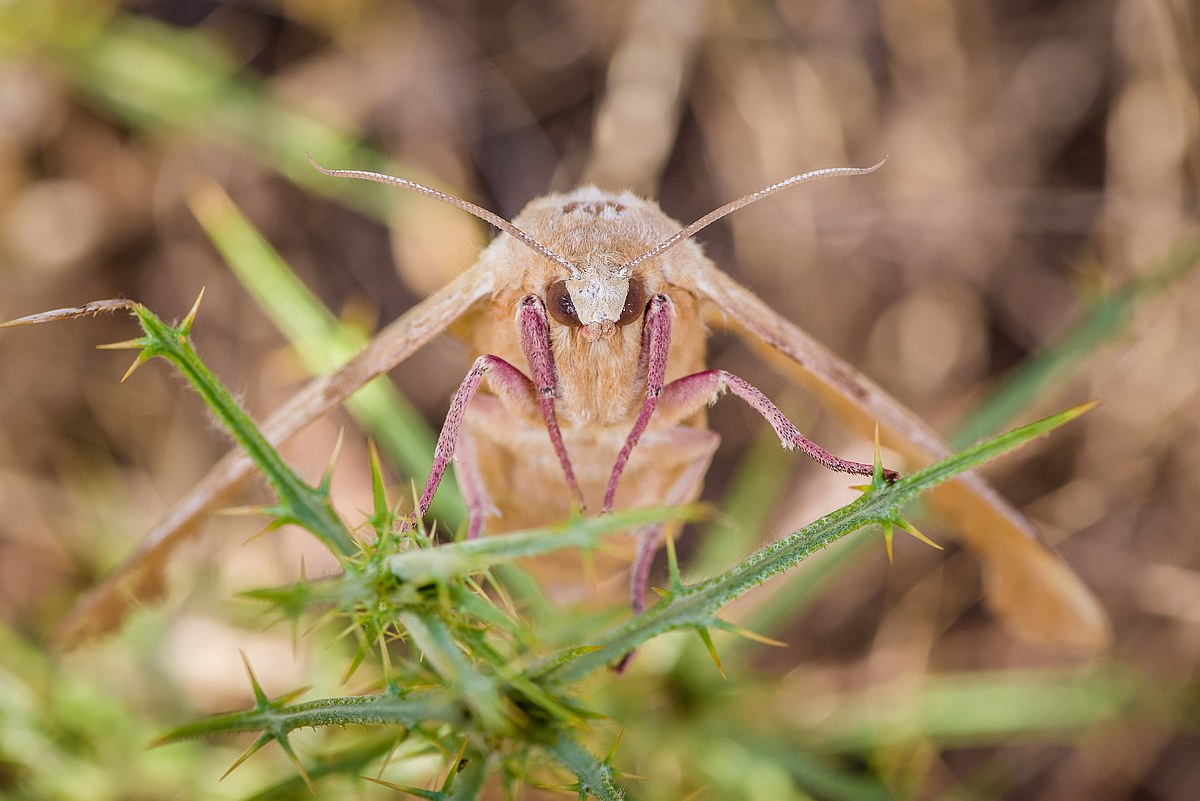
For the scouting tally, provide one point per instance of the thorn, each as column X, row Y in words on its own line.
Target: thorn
column 877, row 475
column 128, row 344
column 881, row 474
column 287, row 749
column 712, row 650
column 911, row 529
column 383, row 511
column 429, row 795
column 287, row 698
column 612, row 752
column 141, row 359
column 753, row 636
column 258, row 743
column 186, row 326
column 887, row 540
column 260, row 697
column 274, row 525
column 673, row 564
column 327, row 479
column 385, row 657
column 456, row 765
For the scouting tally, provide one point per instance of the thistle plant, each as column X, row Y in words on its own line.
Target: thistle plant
column 461, row 672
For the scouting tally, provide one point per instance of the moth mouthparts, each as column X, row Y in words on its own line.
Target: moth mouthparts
column 596, row 331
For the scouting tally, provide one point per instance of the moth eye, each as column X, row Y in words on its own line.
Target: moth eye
column 560, row 305
column 635, row 302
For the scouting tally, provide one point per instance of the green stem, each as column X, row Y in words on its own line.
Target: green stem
column 298, row 503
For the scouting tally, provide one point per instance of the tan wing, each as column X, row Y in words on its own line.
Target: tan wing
column 139, row 578
column 1032, row 591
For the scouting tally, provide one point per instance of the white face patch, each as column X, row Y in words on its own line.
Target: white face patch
column 598, row 298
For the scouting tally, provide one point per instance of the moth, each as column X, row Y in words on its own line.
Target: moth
column 588, row 317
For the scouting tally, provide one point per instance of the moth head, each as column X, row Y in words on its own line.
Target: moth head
column 598, row 302
column 597, row 232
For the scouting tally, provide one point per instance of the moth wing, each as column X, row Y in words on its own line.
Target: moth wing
column 139, row 579
column 1029, row 588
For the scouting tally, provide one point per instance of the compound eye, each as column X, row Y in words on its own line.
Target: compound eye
column 635, row 302
column 560, row 305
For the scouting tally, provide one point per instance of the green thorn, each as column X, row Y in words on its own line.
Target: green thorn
column 295, row 760
column 456, row 766
column 327, row 478
column 429, row 795
column 138, row 343
column 712, row 650
column 877, row 472
column 886, row 525
column 260, row 698
column 612, row 752
column 911, row 529
column 747, row 634
column 287, row 698
column 673, row 566
column 383, row 518
column 185, row 327
column 141, row 359
column 258, row 743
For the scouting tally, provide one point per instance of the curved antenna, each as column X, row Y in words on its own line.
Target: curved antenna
column 741, row 202
column 467, row 206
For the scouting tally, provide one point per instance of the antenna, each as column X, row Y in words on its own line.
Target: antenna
column 745, row 200
column 465, row 205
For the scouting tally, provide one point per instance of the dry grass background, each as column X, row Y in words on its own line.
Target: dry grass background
column 1040, row 155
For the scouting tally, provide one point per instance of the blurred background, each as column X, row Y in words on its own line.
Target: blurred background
column 1037, row 208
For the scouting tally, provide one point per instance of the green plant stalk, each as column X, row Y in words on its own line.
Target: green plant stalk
column 474, row 556
column 298, row 503
column 413, row 709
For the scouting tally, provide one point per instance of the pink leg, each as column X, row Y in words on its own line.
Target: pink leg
column 507, row 381
column 518, row 391
column 479, row 503
column 685, row 488
column 700, row 445
column 688, row 394
column 514, row 389
column 656, row 344
column 691, row 392
column 535, row 341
